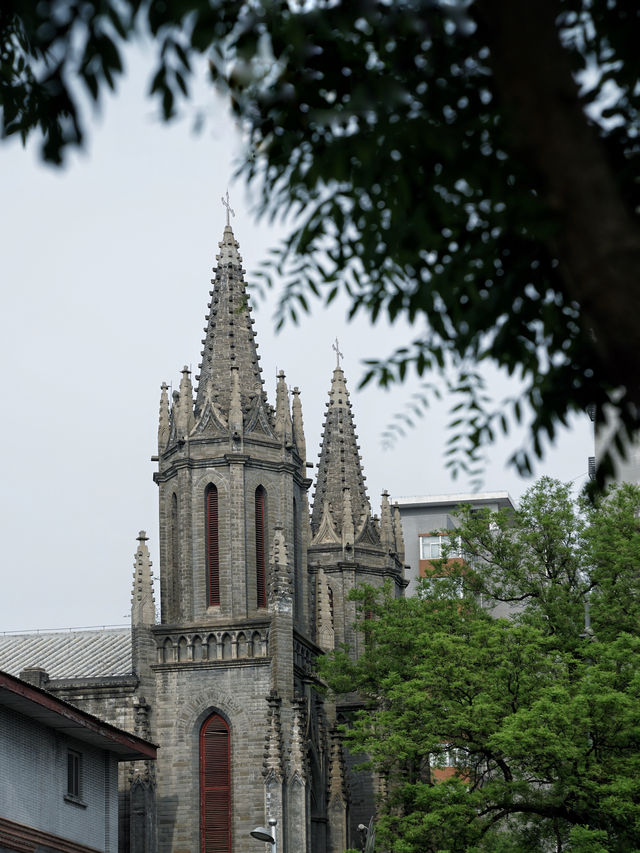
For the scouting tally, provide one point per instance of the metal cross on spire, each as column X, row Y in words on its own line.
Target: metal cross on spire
column 228, row 206
column 336, row 348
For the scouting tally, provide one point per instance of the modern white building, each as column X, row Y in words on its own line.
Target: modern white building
column 426, row 520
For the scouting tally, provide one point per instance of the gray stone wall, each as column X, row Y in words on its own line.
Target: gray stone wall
column 185, row 697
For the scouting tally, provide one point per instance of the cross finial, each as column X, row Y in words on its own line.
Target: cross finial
column 336, row 348
column 226, row 204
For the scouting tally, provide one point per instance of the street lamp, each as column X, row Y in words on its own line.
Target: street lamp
column 268, row 835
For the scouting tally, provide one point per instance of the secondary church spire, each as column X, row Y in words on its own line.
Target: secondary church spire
column 229, row 342
column 340, row 469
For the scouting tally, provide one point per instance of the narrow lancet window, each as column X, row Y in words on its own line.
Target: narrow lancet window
column 215, row 786
column 213, row 549
column 261, row 574
column 297, row 585
column 175, row 551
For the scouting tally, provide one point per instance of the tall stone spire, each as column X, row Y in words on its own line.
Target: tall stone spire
column 143, row 607
column 340, row 466
column 229, row 337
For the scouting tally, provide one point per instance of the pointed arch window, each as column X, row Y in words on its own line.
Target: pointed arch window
column 215, row 786
column 175, row 553
column 261, row 561
column 213, row 548
column 174, row 532
column 297, row 585
column 331, row 607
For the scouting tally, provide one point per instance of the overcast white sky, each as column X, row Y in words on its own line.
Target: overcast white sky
column 105, row 270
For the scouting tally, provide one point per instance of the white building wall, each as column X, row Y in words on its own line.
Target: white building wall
column 33, row 784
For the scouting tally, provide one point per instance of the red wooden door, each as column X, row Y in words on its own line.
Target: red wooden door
column 215, row 787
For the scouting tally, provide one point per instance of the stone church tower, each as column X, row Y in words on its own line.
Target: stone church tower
column 253, row 587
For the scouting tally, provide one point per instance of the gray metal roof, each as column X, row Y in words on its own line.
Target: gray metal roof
column 69, row 654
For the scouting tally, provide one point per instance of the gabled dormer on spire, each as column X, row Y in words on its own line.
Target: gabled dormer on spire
column 340, row 468
column 229, row 341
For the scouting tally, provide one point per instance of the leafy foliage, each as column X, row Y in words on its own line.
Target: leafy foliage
column 432, row 167
column 539, row 716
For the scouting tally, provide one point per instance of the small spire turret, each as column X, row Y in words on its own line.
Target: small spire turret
column 143, row 605
column 337, row 785
column 387, row 537
column 163, row 424
column 280, row 580
column 324, row 617
column 184, row 417
column 283, row 426
column 297, row 750
column 272, row 766
column 397, row 526
column 298, row 429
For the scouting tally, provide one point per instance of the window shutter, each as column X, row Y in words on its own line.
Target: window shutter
column 261, row 590
column 215, row 787
column 213, row 551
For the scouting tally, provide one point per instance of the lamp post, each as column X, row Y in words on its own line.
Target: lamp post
column 268, row 835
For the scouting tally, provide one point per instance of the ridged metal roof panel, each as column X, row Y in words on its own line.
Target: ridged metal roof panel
column 69, row 654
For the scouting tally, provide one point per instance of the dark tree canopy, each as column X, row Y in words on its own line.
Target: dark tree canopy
column 518, row 734
column 469, row 165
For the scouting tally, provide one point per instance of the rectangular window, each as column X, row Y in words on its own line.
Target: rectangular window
column 74, row 774
column 431, row 546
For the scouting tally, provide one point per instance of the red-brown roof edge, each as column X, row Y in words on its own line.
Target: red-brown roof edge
column 126, row 746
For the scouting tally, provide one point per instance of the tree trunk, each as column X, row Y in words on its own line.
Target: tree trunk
column 598, row 241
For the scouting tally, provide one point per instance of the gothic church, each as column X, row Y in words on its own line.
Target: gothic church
column 253, row 588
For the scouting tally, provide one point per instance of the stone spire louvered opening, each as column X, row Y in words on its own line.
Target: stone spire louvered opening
column 229, row 342
column 339, row 468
